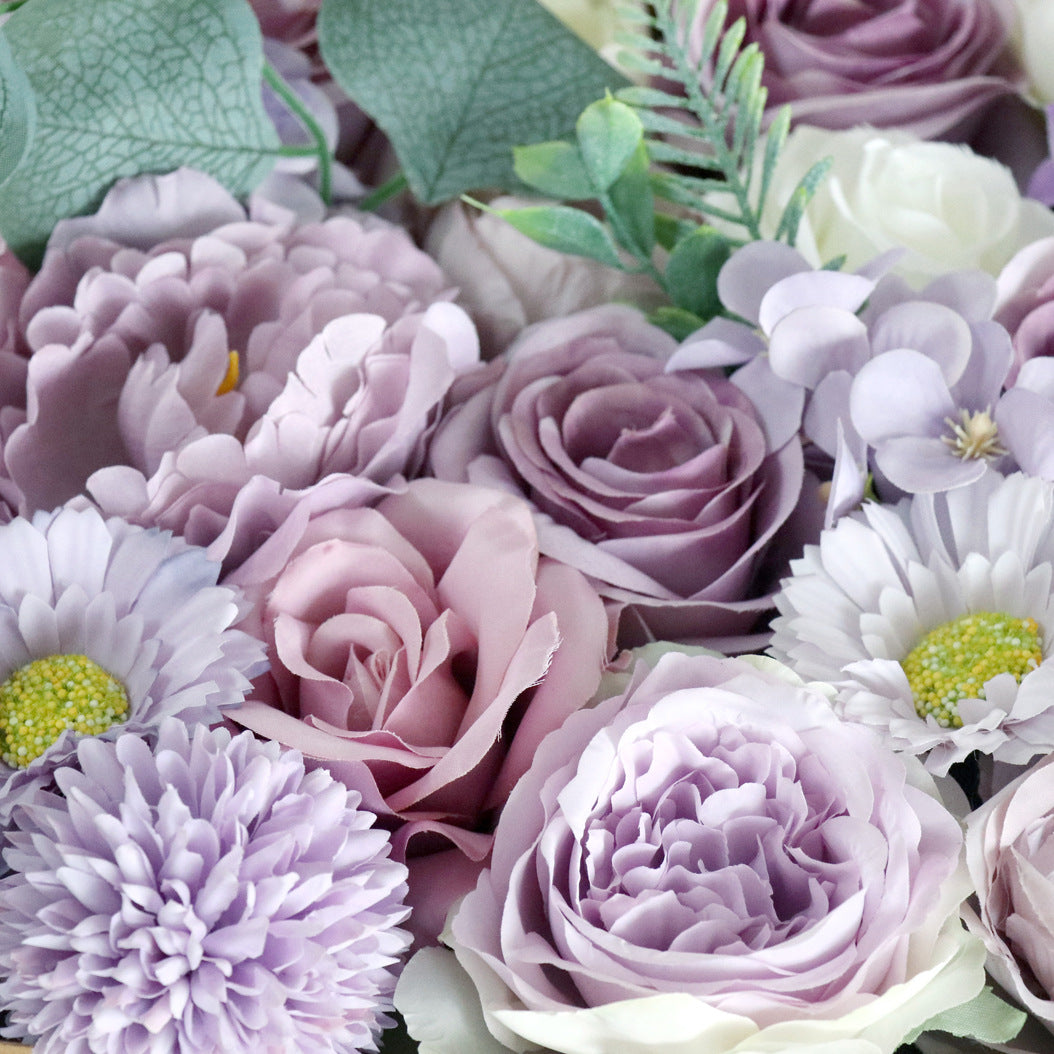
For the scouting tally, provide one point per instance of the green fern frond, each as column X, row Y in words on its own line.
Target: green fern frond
column 719, row 81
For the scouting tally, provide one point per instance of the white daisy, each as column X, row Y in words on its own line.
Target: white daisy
column 106, row 627
column 934, row 620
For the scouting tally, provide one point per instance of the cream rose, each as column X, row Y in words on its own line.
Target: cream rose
column 949, row 208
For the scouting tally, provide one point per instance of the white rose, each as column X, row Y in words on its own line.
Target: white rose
column 950, row 208
column 1032, row 39
column 508, row 281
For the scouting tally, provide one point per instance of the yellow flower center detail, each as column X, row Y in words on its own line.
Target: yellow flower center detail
column 40, row 700
column 973, row 436
column 232, row 376
column 953, row 661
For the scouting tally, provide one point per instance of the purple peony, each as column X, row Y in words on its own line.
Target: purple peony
column 925, row 66
column 206, row 894
column 173, row 364
column 713, row 861
column 663, row 488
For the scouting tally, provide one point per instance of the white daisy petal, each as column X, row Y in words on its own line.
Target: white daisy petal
column 883, row 580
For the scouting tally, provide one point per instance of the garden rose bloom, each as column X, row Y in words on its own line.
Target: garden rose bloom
column 949, row 208
column 1010, row 853
column 507, row 281
column 1025, row 302
column 714, row 861
column 164, row 379
column 426, row 640
column 925, row 66
column 661, row 487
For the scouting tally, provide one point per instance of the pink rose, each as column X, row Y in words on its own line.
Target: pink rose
column 1010, row 853
column 661, row 487
column 1025, row 303
column 925, row 66
column 425, row 640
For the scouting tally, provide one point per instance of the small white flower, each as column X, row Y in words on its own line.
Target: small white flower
column 935, row 570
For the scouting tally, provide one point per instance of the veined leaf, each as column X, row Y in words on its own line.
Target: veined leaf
column 487, row 75
column 565, row 229
column 555, row 169
column 17, row 112
column 121, row 87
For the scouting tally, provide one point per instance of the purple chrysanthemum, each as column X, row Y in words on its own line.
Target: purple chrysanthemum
column 205, row 895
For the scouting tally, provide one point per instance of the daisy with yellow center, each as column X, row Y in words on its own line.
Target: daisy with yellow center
column 934, row 620
column 47, row 697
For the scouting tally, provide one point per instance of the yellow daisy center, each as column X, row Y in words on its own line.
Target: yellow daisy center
column 953, row 661
column 231, row 377
column 40, row 700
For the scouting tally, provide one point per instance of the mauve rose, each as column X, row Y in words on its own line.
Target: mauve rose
column 661, row 487
column 168, row 373
column 1010, row 854
column 425, row 639
column 713, row 861
column 925, row 66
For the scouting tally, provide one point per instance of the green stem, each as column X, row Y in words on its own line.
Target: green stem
column 385, row 192
column 629, row 243
column 296, row 107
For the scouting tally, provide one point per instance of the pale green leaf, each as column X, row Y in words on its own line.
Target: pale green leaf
column 17, row 112
column 985, row 1018
column 691, row 273
column 456, row 84
column 565, row 229
column 609, row 133
column 634, row 203
column 122, row 87
column 555, row 169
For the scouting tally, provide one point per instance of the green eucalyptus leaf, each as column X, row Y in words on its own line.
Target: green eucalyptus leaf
column 691, row 272
column 680, row 324
column 566, row 229
column 633, row 201
column 669, row 230
column 17, row 112
column 122, row 87
column 487, row 75
column 609, row 133
column 555, row 169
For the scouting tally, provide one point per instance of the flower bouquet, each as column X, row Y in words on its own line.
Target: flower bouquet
column 526, row 526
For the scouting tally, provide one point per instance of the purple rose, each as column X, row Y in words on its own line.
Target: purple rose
column 182, row 350
column 925, row 66
column 661, row 487
column 715, row 862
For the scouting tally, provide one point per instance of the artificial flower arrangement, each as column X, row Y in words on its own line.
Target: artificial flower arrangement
column 526, row 528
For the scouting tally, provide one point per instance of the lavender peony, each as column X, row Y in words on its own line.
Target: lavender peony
column 925, row 66
column 664, row 488
column 424, row 640
column 714, row 861
column 203, row 895
column 175, row 364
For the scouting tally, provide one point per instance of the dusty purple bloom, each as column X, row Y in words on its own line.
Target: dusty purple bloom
column 926, row 66
column 205, row 894
column 142, row 605
column 715, row 834
column 663, row 488
column 166, row 376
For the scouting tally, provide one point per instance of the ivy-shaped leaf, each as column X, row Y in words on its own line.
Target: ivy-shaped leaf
column 122, row 87
column 456, row 84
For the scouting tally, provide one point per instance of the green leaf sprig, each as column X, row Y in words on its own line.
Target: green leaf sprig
column 667, row 167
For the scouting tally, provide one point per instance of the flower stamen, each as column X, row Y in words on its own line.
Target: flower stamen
column 974, row 435
column 954, row 661
column 232, row 376
column 44, row 698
